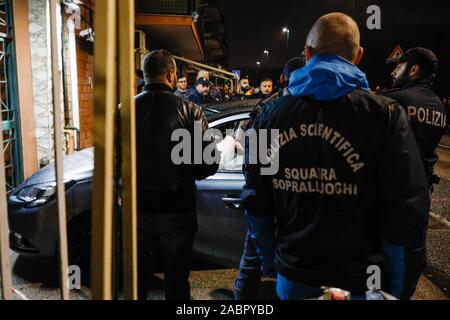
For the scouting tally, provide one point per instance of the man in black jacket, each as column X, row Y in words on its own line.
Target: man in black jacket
column 350, row 184
column 166, row 190
column 413, row 79
column 265, row 89
column 202, row 94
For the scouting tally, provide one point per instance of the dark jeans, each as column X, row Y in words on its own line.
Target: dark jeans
column 169, row 238
column 248, row 279
column 248, row 282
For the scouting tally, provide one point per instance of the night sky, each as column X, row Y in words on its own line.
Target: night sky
column 254, row 26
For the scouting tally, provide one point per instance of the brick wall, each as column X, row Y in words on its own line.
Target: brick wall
column 85, row 70
column 85, row 61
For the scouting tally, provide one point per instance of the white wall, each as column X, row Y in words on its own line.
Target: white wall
column 42, row 79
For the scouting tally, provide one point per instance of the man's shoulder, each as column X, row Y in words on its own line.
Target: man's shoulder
column 190, row 105
column 193, row 96
column 416, row 96
column 375, row 109
column 186, row 107
column 396, row 94
column 275, row 109
column 374, row 101
column 257, row 95
column 180, row 93
column 167, row 97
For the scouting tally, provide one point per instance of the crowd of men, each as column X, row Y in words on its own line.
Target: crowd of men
column 204, row 92
column 380, row 146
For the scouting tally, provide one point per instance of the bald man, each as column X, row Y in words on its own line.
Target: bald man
column 350, row 187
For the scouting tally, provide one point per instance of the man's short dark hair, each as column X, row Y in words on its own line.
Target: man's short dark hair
column 182, row 74
column 157, row 64
column 425, row 58
column 266, row 80
column 294, row 64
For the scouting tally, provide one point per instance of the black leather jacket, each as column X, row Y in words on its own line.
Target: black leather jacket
column 350, row 179
column 427, row 116
column 164, row 187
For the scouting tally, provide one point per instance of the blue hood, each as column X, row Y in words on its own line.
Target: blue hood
column 327, row 77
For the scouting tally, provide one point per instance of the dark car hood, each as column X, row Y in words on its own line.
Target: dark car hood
column 77, row 166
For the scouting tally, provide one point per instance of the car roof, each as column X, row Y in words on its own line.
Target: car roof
column 225, row 109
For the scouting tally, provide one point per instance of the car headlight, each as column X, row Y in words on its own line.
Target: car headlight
column 39, row 194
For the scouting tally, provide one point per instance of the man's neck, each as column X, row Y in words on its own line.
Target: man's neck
column 158, row 81
column 157, row 86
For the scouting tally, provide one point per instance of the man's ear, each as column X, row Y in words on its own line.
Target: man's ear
column 308, row 53
column 414, row 71
column 175, row 77
column 359, row 56
column 171, row 76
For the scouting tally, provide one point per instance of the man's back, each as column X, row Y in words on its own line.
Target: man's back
column 350, row 182
column 427, row 116
column 158, row 114
column 166, row 174
column 342, row 185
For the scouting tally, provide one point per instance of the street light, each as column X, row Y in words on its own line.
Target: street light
column 266, row 52
column 287, row 31
column 258, row 63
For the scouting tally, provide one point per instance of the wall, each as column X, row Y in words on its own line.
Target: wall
column 85, row 71
column 42, row 80
column 85, row 61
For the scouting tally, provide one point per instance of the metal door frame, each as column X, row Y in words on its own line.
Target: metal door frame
column 10, row 106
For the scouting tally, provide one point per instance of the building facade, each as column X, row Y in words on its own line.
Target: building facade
column 192, row 29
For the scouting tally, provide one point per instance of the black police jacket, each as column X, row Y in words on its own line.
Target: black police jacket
column 163, row 186
column 350, row 185
column 427, row 116
column 260, row 95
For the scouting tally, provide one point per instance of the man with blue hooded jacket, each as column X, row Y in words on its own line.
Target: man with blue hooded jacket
column 350, row 187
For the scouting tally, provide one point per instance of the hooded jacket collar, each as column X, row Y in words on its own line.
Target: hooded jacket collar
column 327, row 77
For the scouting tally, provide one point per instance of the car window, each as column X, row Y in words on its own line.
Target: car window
column 208, row 112
column 232, row 145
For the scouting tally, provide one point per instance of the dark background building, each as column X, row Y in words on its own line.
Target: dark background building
column 192, row 28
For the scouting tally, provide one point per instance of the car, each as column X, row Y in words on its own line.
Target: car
column 33, row 213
